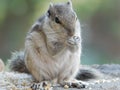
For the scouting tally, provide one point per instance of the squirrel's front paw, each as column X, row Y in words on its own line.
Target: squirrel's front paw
column 75, row 40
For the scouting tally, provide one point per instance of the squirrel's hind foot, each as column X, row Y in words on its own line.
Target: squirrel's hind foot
column 44, row 85
column 74, row 84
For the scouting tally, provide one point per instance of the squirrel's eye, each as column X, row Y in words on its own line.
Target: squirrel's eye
column 57, row 20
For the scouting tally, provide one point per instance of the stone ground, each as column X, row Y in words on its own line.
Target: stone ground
column 110, row 81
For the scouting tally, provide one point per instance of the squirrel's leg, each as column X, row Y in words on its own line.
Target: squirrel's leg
column 34, row 64
column 71, row 82
column 68, row 78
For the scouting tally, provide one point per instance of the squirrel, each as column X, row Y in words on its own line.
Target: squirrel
column 53, row 48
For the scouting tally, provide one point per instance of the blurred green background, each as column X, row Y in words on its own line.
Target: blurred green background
column 100, row 23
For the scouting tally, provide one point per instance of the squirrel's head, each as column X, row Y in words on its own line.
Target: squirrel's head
column 62, row 17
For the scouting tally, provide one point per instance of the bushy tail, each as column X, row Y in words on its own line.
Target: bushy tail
column 86, row 73
column 17, row 63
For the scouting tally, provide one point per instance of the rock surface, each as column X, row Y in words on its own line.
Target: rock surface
column 110, row 81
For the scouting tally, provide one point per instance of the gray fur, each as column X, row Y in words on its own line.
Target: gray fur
column 17, row 63
column 87, row 73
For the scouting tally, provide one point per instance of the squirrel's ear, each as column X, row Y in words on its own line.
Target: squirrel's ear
column 50, row 9
column 51, row 5
column 69, row 3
